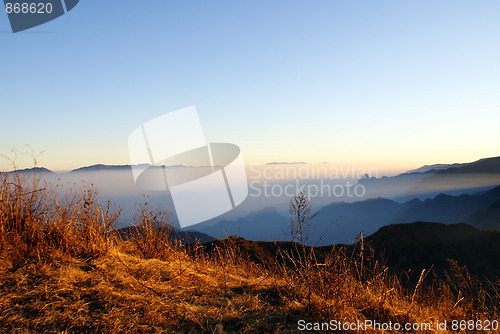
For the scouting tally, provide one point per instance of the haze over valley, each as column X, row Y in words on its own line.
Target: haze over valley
column 348, row 201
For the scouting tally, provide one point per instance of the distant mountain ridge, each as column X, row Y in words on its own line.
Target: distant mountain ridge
column 342, row 222
column 485, row 165
column 482, row 166
column 433, row 168
column 97, row 167
column 265, row 224
column 431, row 180
column 185, row 237
column 100, row 167
column 420, row 245
column 487, row 219
column 36, row 170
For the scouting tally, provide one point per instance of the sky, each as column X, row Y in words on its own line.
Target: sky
column 392, row 84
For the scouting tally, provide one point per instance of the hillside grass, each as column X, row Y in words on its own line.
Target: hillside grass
column 64, row 270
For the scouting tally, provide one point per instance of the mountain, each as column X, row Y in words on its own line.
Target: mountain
column 405, row 248
column 341, row 223
column 95, row 168
column 369, row 216
column 487, row 219
column 264, row 224
column 465, row 178
column 482, row 166
column 449, row 209
column 36, row 170
column 399, row 187
column 186, row 237
column 420, row 245
column 431, row 180
column 101, row 167
column 432, row 168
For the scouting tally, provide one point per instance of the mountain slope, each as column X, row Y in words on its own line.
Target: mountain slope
column 101, row 167
column 434, row 168
column 420, row 245
column 403, row 247
column 265, row 224
column 185, row 237
column 368, row 216
column 36, row 170
column 482, row 166
column 428, row 181
column 342, row 222
column 487, row 219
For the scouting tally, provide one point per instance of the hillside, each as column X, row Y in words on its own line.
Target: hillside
column 174, row 235
column 63, row 270
column 429, row 181
column 31, row 171
column 402, row 247
column 341, row 223
column 421, row 245
column 487, row 219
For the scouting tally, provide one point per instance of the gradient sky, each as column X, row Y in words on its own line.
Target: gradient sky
column 393, row 84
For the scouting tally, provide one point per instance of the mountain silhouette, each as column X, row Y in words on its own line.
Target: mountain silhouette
column 482, row 166
column 101, row 167
column 265, row 224
column 487, row 219
column 405, row 248
column 185, row 237
column 340, row 223
column 433, row 168
column 431, row 180
column 32, row 170
column 420, row 245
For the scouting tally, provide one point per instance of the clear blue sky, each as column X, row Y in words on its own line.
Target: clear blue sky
column 395, row 84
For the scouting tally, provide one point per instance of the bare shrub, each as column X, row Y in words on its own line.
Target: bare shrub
column 152, row 233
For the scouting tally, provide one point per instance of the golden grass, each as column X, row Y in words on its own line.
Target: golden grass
column 62, row 270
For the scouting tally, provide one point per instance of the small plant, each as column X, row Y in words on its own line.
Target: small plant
column 301, row 216
column 153, row 233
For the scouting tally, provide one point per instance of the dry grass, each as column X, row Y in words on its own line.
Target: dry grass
column 63, row 271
